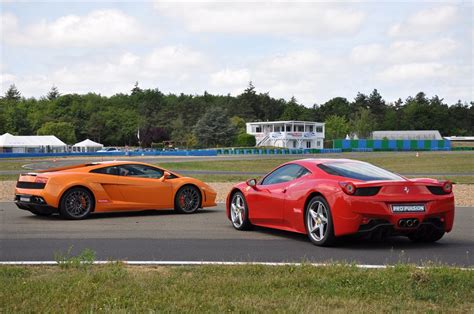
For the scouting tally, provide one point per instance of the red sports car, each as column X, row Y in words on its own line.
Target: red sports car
column 328, row 198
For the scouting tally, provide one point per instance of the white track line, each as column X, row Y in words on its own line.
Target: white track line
column 202, row 263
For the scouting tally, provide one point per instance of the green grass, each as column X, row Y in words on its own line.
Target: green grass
column 398, row 162
column 12, row 165
column 219, row 289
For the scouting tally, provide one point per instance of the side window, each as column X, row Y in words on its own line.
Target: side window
column 285, row 174
column 140, row 171
column 114, row 170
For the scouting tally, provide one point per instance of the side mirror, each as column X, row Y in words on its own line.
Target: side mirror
column 166, row 175
column 252, row 182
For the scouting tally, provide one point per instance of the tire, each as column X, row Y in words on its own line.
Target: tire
column 318, row 222
column 187, row 200
column 76, row 203
column 239, row 212
column 427, row 235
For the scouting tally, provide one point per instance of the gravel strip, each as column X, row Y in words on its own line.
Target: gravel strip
column 464, row 193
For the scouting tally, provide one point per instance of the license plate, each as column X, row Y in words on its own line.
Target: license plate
column 408, row 208
column 24, row 198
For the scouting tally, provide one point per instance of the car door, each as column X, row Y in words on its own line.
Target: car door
column 267, row 200
column 106, row 184
column 142, row 187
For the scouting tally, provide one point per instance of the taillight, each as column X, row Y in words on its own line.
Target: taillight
column 41, row 180
column 447, row 187
column 348, row 187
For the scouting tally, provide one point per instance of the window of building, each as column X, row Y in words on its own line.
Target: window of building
column 319, row 129
column 308, row 144
column 258, row 129
column 294, row 144
column 300, row 128
column 288, row 128
column 310, row 128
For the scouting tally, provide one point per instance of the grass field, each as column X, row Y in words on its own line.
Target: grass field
column 219, row 289
column 427, row 162
column 402, row 163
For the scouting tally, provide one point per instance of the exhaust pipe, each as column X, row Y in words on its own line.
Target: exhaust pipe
column 408, row 223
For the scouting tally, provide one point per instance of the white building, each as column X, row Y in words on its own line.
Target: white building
column 86, row 146
column 407, row 135
column 288, row 134
column 31, row 144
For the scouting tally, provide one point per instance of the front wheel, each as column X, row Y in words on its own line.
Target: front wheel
column 318, row 221
column 77, row 203
column 239, row 212
column 187, row 200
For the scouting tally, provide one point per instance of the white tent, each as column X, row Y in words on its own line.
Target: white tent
column 87, row 146
column 31, row 144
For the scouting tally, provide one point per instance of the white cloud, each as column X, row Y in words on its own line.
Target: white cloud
column 170, row 66
column 417, row 71
column 405, row 51
column 418, row 50
column 99, row 28
column 367, row 53
column 427, row 21
column 265, row 17
column 231, row 78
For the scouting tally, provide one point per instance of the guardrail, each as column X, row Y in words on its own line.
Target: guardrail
column 274, row 151
column 393, row 145
column 204, row 152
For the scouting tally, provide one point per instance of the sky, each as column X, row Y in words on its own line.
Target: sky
column 310, row 50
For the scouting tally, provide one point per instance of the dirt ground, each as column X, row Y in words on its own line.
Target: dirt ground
column 464, row 193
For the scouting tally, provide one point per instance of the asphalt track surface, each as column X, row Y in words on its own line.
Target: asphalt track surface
column 209, row 236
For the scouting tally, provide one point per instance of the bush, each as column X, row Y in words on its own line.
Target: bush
column 245, row 140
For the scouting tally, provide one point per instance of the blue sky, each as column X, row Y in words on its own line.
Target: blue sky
column 311, row 50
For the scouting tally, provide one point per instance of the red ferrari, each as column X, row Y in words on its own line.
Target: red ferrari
column 328, row 198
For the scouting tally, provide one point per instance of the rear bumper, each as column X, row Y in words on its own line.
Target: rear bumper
column 363, row 215
column 34, row 203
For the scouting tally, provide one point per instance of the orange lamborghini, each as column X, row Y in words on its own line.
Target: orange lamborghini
column 77, row 191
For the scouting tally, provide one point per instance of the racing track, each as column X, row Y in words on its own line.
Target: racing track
column 208, row 236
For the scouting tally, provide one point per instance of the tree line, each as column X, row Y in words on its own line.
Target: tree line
column 147, row 116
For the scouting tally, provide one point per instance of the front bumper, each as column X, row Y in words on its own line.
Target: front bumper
column 34, row 203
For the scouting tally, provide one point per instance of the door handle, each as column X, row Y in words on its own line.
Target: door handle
column 283, row 191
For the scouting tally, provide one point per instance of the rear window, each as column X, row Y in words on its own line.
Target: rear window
column 359, row 171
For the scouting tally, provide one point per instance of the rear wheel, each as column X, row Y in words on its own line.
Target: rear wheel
column 77, row 203
column 187, row 200
column 318, row 222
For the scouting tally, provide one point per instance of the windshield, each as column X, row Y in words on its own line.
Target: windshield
column 360, row 171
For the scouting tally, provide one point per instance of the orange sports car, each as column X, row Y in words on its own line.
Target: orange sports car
column 77, row 191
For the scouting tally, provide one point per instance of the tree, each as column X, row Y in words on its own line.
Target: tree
column 363, row 123
column 336, row 127
column 245, row 140
column 136, row 89
column 214, row 129
column 62, row 130
column 337, row 106
column 179, row 133
column 239, row 124
column 13, row 93
column 53, row 93
column 153, row 135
